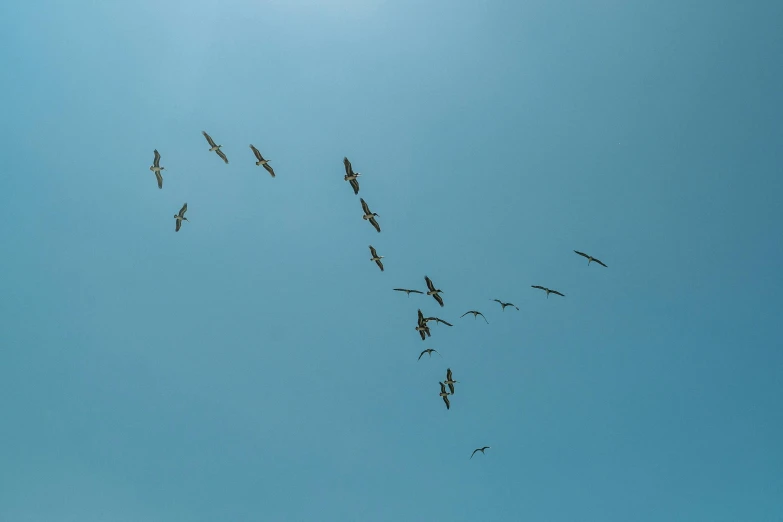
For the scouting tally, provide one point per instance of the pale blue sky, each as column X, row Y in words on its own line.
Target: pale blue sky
column 257, row 366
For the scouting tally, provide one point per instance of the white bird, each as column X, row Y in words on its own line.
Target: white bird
column 180, row 217
column 375, row 257
column 590, row 259
column 445, row 395
column 262, row 161
column 350, row 176
column 429, row 352
column 479, row 449
column 370, row 216
column 213, row 147
column 504, row 305
column 156, row 168
column 547, row 290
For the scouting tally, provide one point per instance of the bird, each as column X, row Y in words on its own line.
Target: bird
column 437, row 320
column 590, row 259
column 475, row 313
column 547, row 290
column 504, row 305
column 351, row 176
column 181, row 217
column 213, row 147
column 409, row 292
column 433, row 291
column 451, row 382
column 375, row 257
column 479, row 449
column 156, row 168
column 429, row 352
column 422, row 327
column 261, row 161
column 445, row 395
column 370, row 216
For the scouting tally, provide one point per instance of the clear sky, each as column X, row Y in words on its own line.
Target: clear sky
column 257, row 365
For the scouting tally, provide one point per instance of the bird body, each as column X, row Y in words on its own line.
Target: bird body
column 375, row 257
column 351, row 176
column 434, row 292
column 479, row 449
column 156, row 168
column 214, row 147
column 262, row 162
column 180, row 217
column 370, row 216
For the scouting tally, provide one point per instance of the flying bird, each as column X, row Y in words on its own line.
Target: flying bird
column 375, row 257
column 590, row 259
column 433, row 291
column 370, row 216
column 504, row 305
column 429, row 352
column 445, row 395
column 180, row 217
column 475, row 313
column 261, row 161
column 437, row 320
column 351, row 176
column 479, row 449
column 156, row 168
column 422, row 328
column 409, row 292
column 547, row 290
column 451, row 382
column 213, row 147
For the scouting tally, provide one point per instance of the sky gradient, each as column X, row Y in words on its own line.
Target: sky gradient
column 257, row 366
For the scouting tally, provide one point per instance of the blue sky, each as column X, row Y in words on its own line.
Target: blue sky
column 257, row 366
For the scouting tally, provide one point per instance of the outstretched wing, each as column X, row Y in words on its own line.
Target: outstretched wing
column 269, row 169
column 446, row 400
column 438, row 298
column 474, row 452
column 422, row 353
column 375, row 224
column 355, row 185
column 258, row 154
column 556, row 293
column 178, row 225
column 373, row 252
column 364, row 206
column 582, row 254
column 209, row 139
column 160, row 179
column 183, row 210
column 466, row 313
column 348, row 168
column 156, row 161
column 222, row 155
column 380, row 264
column 539, row 287
column 429, row 284
column 599, row 262
column 485, row 319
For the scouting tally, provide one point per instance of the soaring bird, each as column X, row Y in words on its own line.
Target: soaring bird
column 504, row 305
column 422, row 328
column 445, row 395
column 437, row 320
column 547, row 290
column 370, row 216
column 433, row 291
column 213, row 147
column 429, row 352
column 475, row 313
column 451, row 382
column 180, row 217
column 351, row 176
column 409, row 292
column 375, row 257
column 590, row 259
column 156, row 168
column 479, row 449
column 262, row 161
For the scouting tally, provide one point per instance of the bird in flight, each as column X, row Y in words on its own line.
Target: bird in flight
column 156, row 168
column 375, row 257
column 437, row 320
column 433, row 291
column 547, row 290
column 479, row 449
column 370, row 216
column 590, row 259
column 429, row 352
column 475, row 313
column 350, row 176
column 180, row 217
column 504, row 305
column 445, row 395
column 451, row 382
column 213, row 147
column 262, row 161
column 409, row 292
column 422, row 328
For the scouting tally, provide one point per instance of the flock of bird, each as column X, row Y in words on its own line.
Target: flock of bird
column 422, row 322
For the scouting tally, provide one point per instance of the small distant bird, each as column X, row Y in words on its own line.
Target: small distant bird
column 262, row 161
column 433, row 291
column 445, row 395
column 422, row 328
column 475, row 313
column 479, row 449
column 437, row 320
column 590, row 259
column 370, row 216
column 409, row 292
column 504, row 305
column 375, row 257
column 156, row 168
column 180, row 217
column 547, row 290
column 213, row 147
column 451, row 382
column 429, row 352
column 351, row 176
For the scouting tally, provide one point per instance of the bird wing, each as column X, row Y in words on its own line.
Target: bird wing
column 482, row 316
column 422, row 353
column 539, row 287
column 421, row 317
column 599, row 262
column 498, row 301
column 209, row 139
column 446, row 400
column 183, row 210
column 582, row 254
column 438, row 298
column 178, row 225
column 451, row 388
column 269, row 169
column 355, row 185
column 442, row 387
column 258, row 154
column 373, row 252
column 348, row 168
column 375, row 224
column 416, row 291
column 448, row 374
column 557, row 293
column 222, row 155
column 402, row 290
column 474, row 452
column 156, row 161
column 364, row 206
column 429, row 283
column 422, row 334
column 379, row 263
column 466, row 313
column 160, row 179
column 436, row 351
